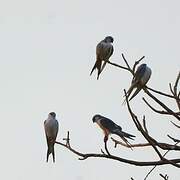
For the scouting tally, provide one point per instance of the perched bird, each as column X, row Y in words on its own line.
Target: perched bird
column 104, row 50
column 141, row 77
column 51, row 127
column 109, row 127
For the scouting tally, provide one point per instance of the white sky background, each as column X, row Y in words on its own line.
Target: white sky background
column 47, row 52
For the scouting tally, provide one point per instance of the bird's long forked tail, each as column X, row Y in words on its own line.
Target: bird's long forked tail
column 98, row 66
column 128, row 93
column 94, row 67
column 135, row 93
column 103, row 66
column 50, row 150
column 123, row 136
column 127, row 135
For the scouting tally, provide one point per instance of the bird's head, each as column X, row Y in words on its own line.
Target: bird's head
column 109, row 39
column 52, row 114
column 96, row 118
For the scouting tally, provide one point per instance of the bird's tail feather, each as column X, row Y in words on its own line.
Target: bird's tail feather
column 119, row 133
column 127, row 135
column 130, row 90
column 98, row 66
column 94, row 67
column 53, row 154
column 103, row 66
column 128, row 93
column 49, row 151
column 123, row 136
column 135, row 93
column 127, row 143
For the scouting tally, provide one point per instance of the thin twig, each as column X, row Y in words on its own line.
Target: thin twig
column 127, row 64
column 175, row 124
column 175, row 91
column 147, row 137
column 175, row 140
column 132, row 145
column 136, row 63
column 158, row 111
column 161, row 145
column 161, row 93
column 117, row 65
column 161, row 104
column 165, row 177
column 139, row 127
column 144, row 124
column 156, row 165
column 67, row 140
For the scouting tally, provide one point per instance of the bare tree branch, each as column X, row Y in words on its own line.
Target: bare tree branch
column 161, row 104
column 175, row 94
column 165, row 177
column 83, row 156
column 163, row 146
column 146, row 136
column 158, row 111
column 116, row 142
column 174, row 91
column 161, row 93
column 175, row 140
column 136, row 63
column 144, row 124
column 127, row 64
column 175, row 125
column 156, row 165
column 117, row 65
column 128, row 68
column 139, row 127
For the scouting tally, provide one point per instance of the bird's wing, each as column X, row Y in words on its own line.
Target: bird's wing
column 146, row 76
column 109, row 124
column 104, row 50
column 107, row 55
column 137, row 77
column 142, row 78
column 99, row 48
column 108, row 51
column 139, row 73
column 114, row 128
column 45, row 129
column 56, row 129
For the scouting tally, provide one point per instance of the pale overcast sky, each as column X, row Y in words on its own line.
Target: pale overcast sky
column 47, row 52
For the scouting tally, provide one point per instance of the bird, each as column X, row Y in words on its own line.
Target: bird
column 51, row 127
column 140, row 79
column 109, row 127
column 104, row 51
